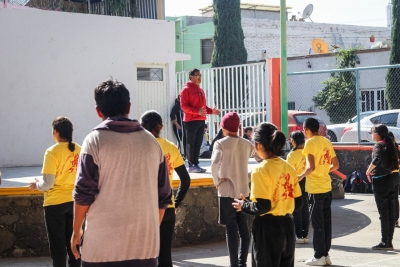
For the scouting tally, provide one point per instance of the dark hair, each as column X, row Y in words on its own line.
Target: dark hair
column 391, row 150
column 298, row 138
column 192, row 72
column 64, row 128
column 270, row 138
column 112, row 98
column 206, row 126
column 151, row 121
column 311, row 124
column 248, row 129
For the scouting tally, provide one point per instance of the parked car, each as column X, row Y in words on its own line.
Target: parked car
column 296, row 119
column 390, row 118
column 335, row 131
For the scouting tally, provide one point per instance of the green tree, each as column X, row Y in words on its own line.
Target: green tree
column 338, row 97
column 229, row 50
column 392, row 92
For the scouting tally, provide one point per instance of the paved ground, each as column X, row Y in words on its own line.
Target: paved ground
column 355, row 229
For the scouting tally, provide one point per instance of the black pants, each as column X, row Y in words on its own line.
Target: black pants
column 166, row 235
column 385, row 202
column 301, row 217
column 180, row 137
column 232, row 240
column 59, row 219
column 273, row 241
column 396, row 201
column 321, row 219
column 194, row 131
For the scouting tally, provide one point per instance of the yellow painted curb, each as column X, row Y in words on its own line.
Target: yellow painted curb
column 18, row 191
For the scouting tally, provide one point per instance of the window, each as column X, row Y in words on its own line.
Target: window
column 149, row 74
column 291, row 105
column 207, row 47
column 387, row 119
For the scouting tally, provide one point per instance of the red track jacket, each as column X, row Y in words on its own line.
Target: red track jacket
column 192, row 99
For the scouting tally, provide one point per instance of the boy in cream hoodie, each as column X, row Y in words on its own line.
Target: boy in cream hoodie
column 229, row 163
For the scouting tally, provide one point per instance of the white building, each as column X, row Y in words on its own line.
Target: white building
column 52, row 61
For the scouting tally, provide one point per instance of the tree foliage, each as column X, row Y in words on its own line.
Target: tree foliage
column 228, row 50
column 338, row 97
column 228, row 35
column 392, row 92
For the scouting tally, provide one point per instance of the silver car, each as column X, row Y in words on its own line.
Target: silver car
column 390, row 118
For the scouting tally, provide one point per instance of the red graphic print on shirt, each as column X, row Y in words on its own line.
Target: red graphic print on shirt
column 170, row 168
column 73, row 160
column 287, row 186
column 326, row 157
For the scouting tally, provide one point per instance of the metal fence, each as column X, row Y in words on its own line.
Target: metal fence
column 341, row 97
column 240, row 88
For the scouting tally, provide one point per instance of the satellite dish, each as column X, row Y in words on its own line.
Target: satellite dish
column 307, row 12
column 319, row 46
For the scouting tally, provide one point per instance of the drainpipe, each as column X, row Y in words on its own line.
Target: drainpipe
column 182, row 41
column 389, row 18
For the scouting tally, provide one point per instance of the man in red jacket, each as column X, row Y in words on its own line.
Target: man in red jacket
column 193, row 104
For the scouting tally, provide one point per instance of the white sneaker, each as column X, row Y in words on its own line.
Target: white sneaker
column 316, row 262
column 328, row 260
column 300, row 240
column 305, row 240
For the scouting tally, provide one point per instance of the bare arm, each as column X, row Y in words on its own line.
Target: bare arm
column 310, row 167
column 79, row 217
column 161, row 214
column 334, row 164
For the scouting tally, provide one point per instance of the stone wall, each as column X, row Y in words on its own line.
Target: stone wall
column 22, row 228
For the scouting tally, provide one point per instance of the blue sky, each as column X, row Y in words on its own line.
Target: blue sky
column 355, row 12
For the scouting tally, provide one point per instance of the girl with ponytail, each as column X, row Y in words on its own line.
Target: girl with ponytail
column 275, row 194
column 384, row 162
column 59, row 172
column 301, row 217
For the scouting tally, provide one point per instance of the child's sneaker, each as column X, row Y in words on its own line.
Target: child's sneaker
column 305, row 240
column 382, row 246
column 328, row 260
column 316, row 262
column 300, row 240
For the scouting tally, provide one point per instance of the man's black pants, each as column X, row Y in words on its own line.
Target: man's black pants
column 194, row 131
column 59, row 219
column 321, row 219
column 385, row 201
column 166, row 236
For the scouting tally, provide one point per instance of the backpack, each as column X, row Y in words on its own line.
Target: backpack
column 357, row 182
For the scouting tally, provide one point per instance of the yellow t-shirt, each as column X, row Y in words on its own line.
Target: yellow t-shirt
column 62, row 163
column 297, row 160
column 275, row 180
column 174, row 160
column 319, row 181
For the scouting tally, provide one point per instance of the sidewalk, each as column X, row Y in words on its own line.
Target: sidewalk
column 356, row 228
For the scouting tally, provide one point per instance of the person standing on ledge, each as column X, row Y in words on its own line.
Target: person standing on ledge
column 193, row 104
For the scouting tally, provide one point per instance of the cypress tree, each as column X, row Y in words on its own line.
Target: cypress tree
column 229, row 50
column 228, row 35
column 392, row 92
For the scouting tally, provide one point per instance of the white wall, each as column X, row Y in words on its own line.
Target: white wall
column 301, row 88
column 264, row 34
column 52, row 61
